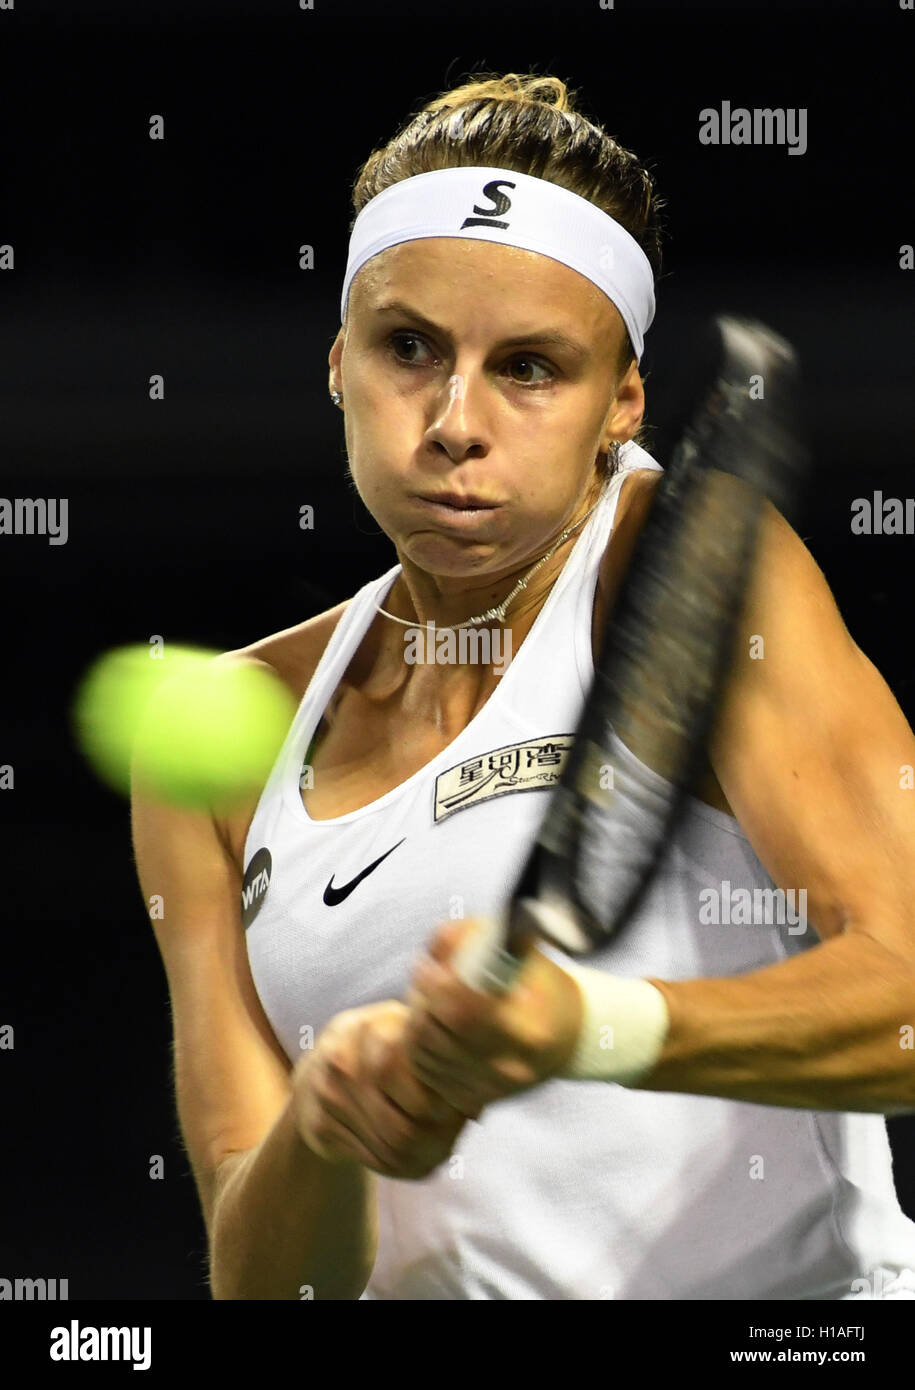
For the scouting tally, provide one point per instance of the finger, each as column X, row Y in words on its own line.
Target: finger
column 347, row 1090
column 458, row 1077
column 384, row 1059
column 373, row 1128
column 349, row 1108
column 342, row 1143
column 395, row 1099
column 466, row 1096
column 474, row 1018
column 431, row 1038
column 418, row 1164
column 447, row 937
column 385, row 1138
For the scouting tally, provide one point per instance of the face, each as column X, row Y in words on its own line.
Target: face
column 487, row 372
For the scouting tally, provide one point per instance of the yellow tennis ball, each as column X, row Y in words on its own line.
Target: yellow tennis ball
column 189, row 730
column 110, row 701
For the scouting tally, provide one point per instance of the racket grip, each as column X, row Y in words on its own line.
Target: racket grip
column 483, row 961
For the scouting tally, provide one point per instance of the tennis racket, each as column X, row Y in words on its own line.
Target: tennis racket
column 664, row 661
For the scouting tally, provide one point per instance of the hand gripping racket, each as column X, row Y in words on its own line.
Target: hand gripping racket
column 664, row 662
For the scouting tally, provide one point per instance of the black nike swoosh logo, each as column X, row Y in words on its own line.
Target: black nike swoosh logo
column 333, row 895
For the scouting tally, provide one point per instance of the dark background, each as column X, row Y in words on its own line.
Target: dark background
column 180, row 257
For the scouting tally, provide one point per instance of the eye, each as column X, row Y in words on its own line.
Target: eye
column 532, row 361
column 395, row 340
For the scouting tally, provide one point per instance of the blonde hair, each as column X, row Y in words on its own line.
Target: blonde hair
column 528, row 123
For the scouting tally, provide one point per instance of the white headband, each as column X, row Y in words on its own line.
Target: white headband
column 489, row 204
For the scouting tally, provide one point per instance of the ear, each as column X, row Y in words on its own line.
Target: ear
column 628, row 407
column 334, row 357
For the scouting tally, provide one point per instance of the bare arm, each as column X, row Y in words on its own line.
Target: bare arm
column 287, row 1224
column 277, row 1215
column 816, row 759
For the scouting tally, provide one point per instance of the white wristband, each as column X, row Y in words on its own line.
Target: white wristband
column 623, row 1029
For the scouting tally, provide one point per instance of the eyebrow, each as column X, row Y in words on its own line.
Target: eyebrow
column 552, row 337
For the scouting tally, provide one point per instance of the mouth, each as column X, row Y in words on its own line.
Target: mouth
column 466, row 502
column 462, row 511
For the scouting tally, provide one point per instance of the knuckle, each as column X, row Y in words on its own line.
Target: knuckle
column 324, row 1127
column 516, row 1071
column 420, row 1165
column 416, row 1151
column 327, row 1086
column 532, row 1032
column 341, row 1024
column 387, row 1018
column 322, row 1130
column 383, row 1154
column 536, row 1044
column 436, row 1111
column 390, row 1061
column 340, row 1063
column 401, row 1135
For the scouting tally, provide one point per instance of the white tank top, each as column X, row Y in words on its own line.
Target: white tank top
column 574, row 1189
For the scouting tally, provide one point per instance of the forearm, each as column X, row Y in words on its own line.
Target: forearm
column 830, row 1029
column 286, row 1221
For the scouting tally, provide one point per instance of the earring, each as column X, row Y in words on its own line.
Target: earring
column 336, row 397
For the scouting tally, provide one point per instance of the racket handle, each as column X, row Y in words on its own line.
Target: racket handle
column 486, row 962
column 483, row 960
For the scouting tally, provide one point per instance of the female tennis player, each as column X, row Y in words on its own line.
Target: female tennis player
column 360, row 1123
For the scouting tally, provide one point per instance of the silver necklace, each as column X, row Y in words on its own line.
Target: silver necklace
column 498, row 613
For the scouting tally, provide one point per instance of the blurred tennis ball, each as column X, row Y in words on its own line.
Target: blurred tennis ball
column 193, row 732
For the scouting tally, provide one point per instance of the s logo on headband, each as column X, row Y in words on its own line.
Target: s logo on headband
column 501, row 204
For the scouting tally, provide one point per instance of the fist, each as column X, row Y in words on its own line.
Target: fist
column 473, row 1048
column 357, row 1099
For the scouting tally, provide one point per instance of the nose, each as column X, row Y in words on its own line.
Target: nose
column 455, row 426
column 456, row 386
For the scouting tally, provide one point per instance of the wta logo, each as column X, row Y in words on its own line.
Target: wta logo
column 255, row 885
column 500, row 205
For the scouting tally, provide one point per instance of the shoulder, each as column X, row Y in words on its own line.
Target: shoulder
column 294, row 652
column 637, row 493
column 293, row 655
